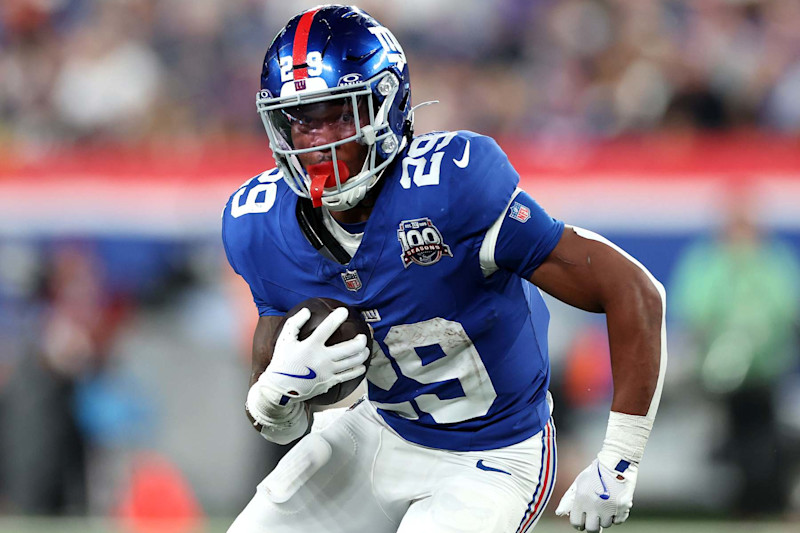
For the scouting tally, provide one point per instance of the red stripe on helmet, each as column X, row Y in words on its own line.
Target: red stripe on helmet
column 300, row 45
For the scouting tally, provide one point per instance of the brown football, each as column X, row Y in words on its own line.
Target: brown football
column 320, row 308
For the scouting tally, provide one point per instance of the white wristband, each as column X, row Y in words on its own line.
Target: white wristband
column 280, row 424
column 626, row 437
column 288, row 427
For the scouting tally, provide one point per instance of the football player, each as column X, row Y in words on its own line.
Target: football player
column 430, row 237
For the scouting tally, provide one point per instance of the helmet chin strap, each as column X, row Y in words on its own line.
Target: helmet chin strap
column 346, row 200
column 351, row 198
column 324, row 175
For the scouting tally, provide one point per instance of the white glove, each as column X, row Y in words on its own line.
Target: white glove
column 300, row 370
column 601, row 495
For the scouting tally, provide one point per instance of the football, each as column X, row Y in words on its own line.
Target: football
column 320, row 308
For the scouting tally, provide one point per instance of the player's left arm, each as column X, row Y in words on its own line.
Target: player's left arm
column 587, row 271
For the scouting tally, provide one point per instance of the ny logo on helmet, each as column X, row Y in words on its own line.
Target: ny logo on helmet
column 394, row 52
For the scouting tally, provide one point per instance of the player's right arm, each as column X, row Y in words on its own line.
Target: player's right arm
column 277, row 423
column 285, row 375
column 286, row 371
column 266, row 329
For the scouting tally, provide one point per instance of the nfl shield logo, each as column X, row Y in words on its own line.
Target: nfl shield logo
column 299, row 85
column 351, row 280
column 519, row 212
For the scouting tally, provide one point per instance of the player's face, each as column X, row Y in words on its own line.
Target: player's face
column 326, row 122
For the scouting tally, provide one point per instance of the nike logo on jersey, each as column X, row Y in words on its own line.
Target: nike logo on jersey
column 311, row 374
column 482, row 466
column 605, row 494
column 464, row 161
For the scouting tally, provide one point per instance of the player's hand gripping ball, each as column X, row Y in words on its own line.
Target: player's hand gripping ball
column 353, row 325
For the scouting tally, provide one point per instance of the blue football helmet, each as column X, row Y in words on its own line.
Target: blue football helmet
column 339, row 55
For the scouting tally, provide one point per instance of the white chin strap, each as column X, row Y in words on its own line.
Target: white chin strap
column 351, row 198
column 347, row 199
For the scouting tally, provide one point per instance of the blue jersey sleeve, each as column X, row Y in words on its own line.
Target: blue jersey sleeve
column 225, row 246
column 527, row 236
column 264, row 309
column 482, row 186
column 236, row 238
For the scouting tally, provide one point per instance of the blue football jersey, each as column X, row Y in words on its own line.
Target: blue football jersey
column 463, row 362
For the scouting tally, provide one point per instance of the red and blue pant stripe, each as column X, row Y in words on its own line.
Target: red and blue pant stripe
column 547, row 478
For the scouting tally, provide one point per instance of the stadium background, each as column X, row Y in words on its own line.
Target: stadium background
column 126, row 124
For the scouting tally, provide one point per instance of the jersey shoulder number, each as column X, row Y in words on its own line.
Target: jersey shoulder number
column 467, row 170
column 256, row 195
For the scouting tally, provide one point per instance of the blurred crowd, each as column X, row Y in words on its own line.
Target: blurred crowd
column 81, row 71
column 736, row 298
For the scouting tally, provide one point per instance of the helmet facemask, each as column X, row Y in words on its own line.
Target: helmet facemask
column 359, row 111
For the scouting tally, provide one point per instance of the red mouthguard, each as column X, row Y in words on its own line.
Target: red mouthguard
column 322, row 176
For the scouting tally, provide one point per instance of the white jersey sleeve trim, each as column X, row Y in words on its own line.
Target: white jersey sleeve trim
column 486, row 255
column 654, row 402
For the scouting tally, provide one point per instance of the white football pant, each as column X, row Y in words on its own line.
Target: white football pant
column 357, row 475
